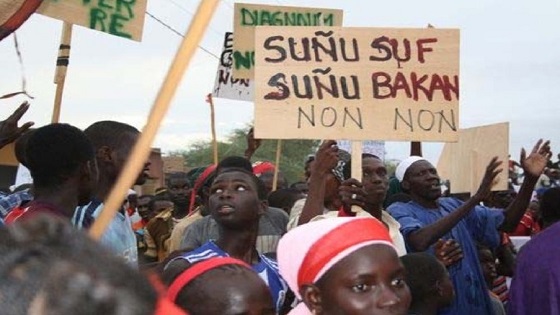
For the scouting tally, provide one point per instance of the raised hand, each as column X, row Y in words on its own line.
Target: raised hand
column 9, row 130
column 534, row 164
column 252, row 144
column 326, row 158
column 448, row 252
column 489, row 179
column 351, row 193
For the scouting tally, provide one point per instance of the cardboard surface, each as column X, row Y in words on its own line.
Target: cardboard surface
column 247, row 16
column 124, row 18
column 366, row 84
column 464, row 162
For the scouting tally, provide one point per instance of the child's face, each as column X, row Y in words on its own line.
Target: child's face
column 488, row 264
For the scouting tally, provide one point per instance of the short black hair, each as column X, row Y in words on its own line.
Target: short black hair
column 48, row 256
column 261, row 189
column 234, row 162
column 422, row 272
column 20, row 147
column 550, row 206
column 109, row 133
column 56, row 151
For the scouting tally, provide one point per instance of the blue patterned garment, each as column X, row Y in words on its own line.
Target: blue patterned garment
column 480, row 225
column 118, row 237
column 11, row 201
column 266, row 268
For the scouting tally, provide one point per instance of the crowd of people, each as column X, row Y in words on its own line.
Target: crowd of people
column 227, row 239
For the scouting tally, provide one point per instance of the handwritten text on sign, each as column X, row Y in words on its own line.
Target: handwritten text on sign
column 124, row 18
column 357, row 83
column 247, row 16
column 225, row 86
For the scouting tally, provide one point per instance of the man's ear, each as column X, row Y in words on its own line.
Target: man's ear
column 104, row 154
column 311, row 296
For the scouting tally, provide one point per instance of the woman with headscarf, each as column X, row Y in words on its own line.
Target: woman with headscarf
column 343, row 266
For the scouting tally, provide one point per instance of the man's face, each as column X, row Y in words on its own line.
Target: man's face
column 143, row 207
column 179, row 190
column 488, row 264
column 234, row 200
column 423, row 180
column 122, row 154
column 375, row 180
column 268, row 179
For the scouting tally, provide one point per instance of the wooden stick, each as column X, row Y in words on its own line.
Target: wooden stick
column 213, row 124
column 61, row 69
column 277, row 168
column 356, row 165
column 142, row 148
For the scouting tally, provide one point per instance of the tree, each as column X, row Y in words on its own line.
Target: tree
column 292, row 158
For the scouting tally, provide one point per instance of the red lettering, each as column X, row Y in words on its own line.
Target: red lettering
column 401, row 84
column 421, row 49
column 385, row 83
column 417, row 85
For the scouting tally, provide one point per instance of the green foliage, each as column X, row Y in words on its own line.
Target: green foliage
column 292, row 158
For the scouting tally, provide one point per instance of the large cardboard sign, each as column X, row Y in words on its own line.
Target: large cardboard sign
column 464, row 163
column 247, row 16
column 124, row 18
column 225, row 86
column 357, row 83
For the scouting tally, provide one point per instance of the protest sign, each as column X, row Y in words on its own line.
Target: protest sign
column 225, row 86
column 357, row 83
column 464, row 163
column 124, row 18
column 247, row 16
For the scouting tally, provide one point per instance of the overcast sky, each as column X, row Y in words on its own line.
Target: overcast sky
column 509, row 67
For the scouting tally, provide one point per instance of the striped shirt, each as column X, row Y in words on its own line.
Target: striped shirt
column 118, row 237
column 266, row 268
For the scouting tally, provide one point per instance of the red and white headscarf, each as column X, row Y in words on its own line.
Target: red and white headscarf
column 307, row 252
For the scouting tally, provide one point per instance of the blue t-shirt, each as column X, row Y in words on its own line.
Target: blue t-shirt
column 480, row 225
column 266, row 268
column 118, row 237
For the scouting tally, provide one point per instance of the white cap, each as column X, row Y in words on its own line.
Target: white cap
column 405, row 164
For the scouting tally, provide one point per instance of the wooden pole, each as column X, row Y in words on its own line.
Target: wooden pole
column 141, row 150
column 277, row 168
column 213, row 125
column 61, row 68
column 356, row 165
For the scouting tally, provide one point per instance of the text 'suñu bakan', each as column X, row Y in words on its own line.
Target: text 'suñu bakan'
column 357, row 83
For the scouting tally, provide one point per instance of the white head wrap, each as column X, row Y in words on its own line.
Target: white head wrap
column 405, row 164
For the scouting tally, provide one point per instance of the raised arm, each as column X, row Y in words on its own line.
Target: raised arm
column 252, row 144
column 9, row 130
column 423, row 238
column 326, row 159
column 533, row 166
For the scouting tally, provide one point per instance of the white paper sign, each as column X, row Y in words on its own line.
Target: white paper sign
column 225, row 86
